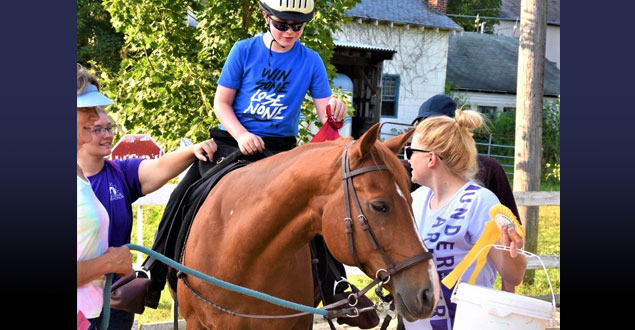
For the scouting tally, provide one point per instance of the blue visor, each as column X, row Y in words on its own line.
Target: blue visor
column 92, row 98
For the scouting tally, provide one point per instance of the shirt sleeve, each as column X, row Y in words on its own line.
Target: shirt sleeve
column 231, row 76
column 130, row 169
column 320, row 87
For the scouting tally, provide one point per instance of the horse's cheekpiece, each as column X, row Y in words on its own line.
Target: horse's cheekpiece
column 349, row 190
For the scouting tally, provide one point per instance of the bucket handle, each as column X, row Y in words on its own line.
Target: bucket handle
column 523, row 252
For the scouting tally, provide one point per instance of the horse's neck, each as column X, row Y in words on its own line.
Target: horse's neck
column 286, row 206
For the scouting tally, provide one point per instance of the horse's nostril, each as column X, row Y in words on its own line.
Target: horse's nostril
column 427, row 297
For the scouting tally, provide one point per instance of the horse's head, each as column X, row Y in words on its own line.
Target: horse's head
column 382, row 191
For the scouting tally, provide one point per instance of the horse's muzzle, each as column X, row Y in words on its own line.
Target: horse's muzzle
column 417, row 303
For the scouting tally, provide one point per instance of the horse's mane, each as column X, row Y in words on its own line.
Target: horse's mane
column 380, row 154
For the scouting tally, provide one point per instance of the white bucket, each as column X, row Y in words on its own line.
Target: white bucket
column 489, row 309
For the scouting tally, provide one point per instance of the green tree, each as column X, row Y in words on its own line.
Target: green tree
column 504, row 126
column 97, row 40
column 166, row 80
column 482, row 8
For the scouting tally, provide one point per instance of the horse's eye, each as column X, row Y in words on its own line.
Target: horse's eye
column 380, row 207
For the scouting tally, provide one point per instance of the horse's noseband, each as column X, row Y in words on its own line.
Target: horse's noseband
column 349, row 190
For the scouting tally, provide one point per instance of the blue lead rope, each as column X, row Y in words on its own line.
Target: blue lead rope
column 207, row 278
column 105, row 314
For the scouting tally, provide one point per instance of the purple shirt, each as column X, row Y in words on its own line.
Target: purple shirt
column 117, row 186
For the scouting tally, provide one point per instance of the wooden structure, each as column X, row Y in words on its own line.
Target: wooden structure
column 363, row 64
column 530, row 91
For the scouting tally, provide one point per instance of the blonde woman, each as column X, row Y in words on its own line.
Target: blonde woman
column 451, row 209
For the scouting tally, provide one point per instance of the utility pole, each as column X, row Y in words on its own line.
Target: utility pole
column 529, row 99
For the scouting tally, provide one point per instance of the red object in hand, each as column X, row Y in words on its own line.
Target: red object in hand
column 328, row 131
column 82, row 321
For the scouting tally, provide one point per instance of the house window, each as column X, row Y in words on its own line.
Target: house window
column 487, row 110
column 509, row 109
column 389, row 95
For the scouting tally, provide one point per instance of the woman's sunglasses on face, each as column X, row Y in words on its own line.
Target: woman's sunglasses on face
column 409, row 150
column 283, row 26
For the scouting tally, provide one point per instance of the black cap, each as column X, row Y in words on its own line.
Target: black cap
column 438, row 105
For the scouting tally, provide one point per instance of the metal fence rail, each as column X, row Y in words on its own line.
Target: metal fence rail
column 390, row 129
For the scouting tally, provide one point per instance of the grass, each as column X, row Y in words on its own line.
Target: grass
column 548, row 243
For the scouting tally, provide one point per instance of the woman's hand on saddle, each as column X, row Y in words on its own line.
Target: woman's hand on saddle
column 250, row 143
column 205, row 148
column 509, row 237
column 120, row 260
column 338, row 109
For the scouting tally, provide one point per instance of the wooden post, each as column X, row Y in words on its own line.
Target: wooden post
column 529, row 99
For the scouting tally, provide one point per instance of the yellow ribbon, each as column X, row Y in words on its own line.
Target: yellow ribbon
column 501, row 216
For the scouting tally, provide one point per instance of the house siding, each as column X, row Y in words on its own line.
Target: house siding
column 499, row 101
column 552, row 44
column 420, row 61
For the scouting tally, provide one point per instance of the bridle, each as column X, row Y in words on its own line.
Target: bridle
column 349, row 191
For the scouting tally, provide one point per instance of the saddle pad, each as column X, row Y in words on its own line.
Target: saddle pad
column 190, row 205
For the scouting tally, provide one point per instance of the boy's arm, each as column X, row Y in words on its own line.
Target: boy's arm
column 247, row 142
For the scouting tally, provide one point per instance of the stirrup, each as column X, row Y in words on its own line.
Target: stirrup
column 342, row 280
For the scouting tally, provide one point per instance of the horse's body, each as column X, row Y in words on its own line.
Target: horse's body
column 253, row 230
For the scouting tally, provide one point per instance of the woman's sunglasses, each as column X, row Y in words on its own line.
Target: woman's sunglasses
column 409, row 150
column 283, row 26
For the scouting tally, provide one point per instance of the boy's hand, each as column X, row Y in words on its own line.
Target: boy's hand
column 250, row 143
column 338, row 109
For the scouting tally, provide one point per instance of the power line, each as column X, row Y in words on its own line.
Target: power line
column 472, row 16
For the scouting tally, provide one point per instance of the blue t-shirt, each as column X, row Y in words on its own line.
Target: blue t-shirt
column 268, row 97
column 117, row 186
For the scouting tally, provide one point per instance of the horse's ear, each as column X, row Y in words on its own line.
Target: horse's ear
column 396, row 143
column 367, row 141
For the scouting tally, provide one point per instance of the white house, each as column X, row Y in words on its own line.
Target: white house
column 510, row 26
column 416, row 34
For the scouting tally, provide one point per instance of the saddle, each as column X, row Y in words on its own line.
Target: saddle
column 192, row 200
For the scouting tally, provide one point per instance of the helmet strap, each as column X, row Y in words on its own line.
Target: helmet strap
column 272, row 40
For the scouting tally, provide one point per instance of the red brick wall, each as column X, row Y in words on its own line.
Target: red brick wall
column 439, row 5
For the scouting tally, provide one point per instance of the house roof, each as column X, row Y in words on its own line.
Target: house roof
column 362, row 46
column 510, row 10
column 416, row 12
column 489, row 63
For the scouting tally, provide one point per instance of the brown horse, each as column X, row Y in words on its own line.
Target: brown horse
column 254, row 227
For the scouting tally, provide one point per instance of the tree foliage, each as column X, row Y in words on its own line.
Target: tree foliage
column 482, row 8
column 166, row 80
column 97, row 40
column 505, row 125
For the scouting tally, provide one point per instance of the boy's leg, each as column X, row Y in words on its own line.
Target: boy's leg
column 159, row 270
column 164, row 242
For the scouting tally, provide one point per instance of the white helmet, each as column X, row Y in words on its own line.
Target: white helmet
column 290, row 10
